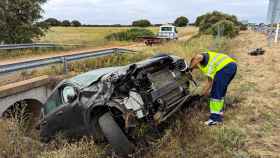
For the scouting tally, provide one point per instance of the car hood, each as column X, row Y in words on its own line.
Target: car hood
column 86, row 79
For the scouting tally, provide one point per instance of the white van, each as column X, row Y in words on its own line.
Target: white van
column 168, row 32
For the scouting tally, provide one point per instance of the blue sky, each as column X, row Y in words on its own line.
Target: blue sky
column 157, row 11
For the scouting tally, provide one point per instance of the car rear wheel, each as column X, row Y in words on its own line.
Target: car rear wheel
column 114, row 135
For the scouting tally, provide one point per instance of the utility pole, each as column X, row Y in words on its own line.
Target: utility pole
column 276, row 34
column 273, row 17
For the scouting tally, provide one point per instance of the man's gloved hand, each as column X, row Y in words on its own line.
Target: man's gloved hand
column 189, row 69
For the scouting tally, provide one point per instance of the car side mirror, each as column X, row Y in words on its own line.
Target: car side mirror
column 69, row 94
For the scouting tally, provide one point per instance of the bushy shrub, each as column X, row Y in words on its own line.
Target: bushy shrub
column 141, row 23
column 129, row 35
column 181, row 21
column 228, row 27
column 210, row 22
column 199, row 19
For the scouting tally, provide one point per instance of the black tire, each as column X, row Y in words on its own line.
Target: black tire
column 115, row 135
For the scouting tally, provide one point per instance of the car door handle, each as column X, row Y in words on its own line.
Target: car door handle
column 59, row 113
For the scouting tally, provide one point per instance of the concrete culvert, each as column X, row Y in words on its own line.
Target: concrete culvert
column 25, row 112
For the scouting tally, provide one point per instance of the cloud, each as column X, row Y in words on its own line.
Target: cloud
column 158, row 11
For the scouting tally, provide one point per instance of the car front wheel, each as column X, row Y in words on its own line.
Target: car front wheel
column 114, row 135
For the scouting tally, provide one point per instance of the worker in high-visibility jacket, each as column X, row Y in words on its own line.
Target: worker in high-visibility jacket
column 220, row 69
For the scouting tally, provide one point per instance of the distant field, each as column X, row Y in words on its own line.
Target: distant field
column 88, row 36
column 94, row 36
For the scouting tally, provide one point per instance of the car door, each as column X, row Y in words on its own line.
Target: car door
column 71, row 113
column 61, row 113
column 53, row 121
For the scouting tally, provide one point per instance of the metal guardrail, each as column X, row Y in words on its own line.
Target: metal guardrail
column 269, row 31
column 60, row 59
column 32, row 45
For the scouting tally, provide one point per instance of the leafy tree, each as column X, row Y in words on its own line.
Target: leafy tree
column 228, row 27
column 76, row 23
column 66, row 23
column 181, row 21
column 210, row 23
column 199, row 19
column 19, row 20
column 53, row 22
column 141, row 23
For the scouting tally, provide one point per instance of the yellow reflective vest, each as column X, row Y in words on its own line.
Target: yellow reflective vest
column 216, row 62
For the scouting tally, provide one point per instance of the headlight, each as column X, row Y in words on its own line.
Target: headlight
column 181, row 65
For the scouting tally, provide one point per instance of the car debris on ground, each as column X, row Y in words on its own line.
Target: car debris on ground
column 257, row 51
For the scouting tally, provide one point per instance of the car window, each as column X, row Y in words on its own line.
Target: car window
column 53, row 102
column 166, row 29
column 68, row 94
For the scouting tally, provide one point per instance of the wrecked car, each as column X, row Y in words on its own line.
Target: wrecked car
column 106, row 103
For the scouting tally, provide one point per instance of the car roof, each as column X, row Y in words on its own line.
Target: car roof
column 86, row 79
column 167, row 25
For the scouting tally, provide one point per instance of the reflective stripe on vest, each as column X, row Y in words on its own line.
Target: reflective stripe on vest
column 216, row 62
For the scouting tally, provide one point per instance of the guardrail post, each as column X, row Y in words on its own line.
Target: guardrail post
column 117, row 52
column 65, row 65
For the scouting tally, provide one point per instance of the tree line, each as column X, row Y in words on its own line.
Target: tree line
column 179, row 22
column 66, row 23
column 20, row 22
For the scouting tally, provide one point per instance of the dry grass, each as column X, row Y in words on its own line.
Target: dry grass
column 251, row 127
column 252, row 119
column 259, row 85
column 89, row 36
column 87, row 148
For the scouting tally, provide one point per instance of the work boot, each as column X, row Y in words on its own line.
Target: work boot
column 214, row 119
column 211, row 122
column 222, row 113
